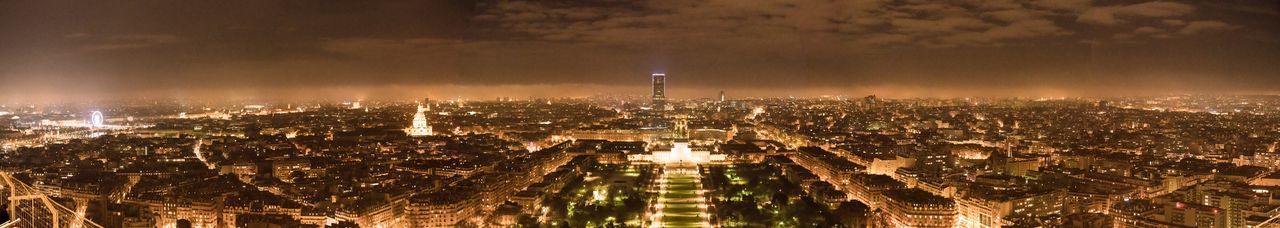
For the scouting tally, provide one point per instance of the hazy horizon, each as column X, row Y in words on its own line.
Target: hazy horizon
column 521, row 92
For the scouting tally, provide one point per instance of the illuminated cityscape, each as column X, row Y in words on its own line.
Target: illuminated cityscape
column 703, row 113
column 577, row 162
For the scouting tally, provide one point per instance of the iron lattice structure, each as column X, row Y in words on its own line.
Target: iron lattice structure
column 30, row 208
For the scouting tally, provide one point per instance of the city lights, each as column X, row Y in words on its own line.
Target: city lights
column 641, row 113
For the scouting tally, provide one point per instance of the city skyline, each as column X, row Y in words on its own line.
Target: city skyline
column 864, row 162
column 640, row 113
column 69, row 50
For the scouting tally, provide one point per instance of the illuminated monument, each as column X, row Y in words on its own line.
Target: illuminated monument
column 420, row 126
column 680, row 152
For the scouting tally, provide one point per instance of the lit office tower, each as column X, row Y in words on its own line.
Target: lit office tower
column 659, row 91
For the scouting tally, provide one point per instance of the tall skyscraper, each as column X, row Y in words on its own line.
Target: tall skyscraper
column 659, row 91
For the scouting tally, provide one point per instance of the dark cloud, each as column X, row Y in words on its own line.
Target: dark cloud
column 1196, row 27
column 1064, row 5
column 1114, row 15
column 766, row 46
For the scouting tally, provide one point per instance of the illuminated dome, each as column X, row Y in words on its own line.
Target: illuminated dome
column 419, row 126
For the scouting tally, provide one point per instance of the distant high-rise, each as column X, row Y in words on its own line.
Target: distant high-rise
column 659, row 91
column 95, row 119
column 722, row 96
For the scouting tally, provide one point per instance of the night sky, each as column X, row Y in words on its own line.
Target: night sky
column 55, row 49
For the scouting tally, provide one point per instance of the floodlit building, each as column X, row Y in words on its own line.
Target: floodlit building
column 419, row 125
column 680, row 151
column 441, row 209
column 1000, row 209
column 917, row 208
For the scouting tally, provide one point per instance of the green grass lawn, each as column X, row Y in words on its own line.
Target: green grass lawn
column 681, row 202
